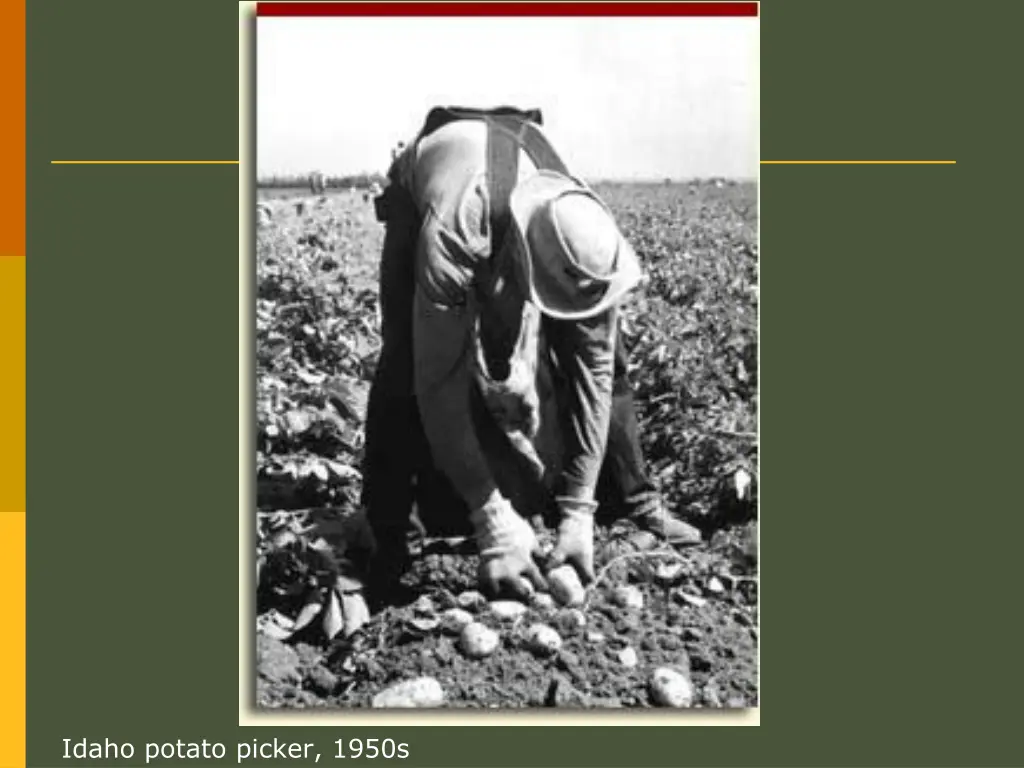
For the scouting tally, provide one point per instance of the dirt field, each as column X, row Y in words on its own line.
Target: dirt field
column 692, row 334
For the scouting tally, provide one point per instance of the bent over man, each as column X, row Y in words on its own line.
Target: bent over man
column 488, row 238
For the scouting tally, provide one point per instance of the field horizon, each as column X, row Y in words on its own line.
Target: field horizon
column 271, row 183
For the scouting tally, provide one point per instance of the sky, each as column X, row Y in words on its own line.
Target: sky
column 622, row 98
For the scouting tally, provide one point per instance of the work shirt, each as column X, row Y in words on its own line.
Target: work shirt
column 445, row 174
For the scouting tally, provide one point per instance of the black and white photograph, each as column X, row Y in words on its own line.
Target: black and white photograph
column 506, row 362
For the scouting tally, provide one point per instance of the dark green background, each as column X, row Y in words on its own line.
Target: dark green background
column 890, row 537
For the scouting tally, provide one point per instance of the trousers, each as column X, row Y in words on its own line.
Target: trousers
column 398, row 472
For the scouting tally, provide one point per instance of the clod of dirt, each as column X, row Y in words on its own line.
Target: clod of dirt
column 571, row 620
column 543, row 640
column 565, row 586
column 309, row 655
column 321, row 681
column 421, row 692
column 595, row 637
column 443, row 600
column 276, row 661
column 628, row 596
column 628, row 658
column 478, row 641
column 454, row 620
column 670, row 688
column 507, row 610
column 471, row 600
column 715, row 586
column 643, row 541
column 701, row 661
column 527, row 587
column 742, row 481
column 668, row 574
column 688, row 597
column 424, row 606
column 424, row 623
column 627, row 625
column 561, row 694
column 712, row 695
column 543, row 602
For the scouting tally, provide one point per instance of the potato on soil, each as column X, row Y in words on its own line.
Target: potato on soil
column 628, row 658
column 418, row 693
column 454, row 620
column 670, row 688
column 629, row 597
column 565, row 586
column 543, row 602
column 507, row 610
column 471, row 600
column 543, row 640
column 478, row 641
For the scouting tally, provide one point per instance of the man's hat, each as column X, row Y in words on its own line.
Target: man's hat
column 578, row 264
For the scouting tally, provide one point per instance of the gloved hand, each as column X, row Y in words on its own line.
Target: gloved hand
column 575, row 542
column 507, row 547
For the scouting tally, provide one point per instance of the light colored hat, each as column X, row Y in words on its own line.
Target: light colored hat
column 578, row 264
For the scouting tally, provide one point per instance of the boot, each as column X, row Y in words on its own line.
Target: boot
column 390, row 562
column 656, row 519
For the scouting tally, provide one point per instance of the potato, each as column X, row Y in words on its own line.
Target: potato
column 418, row 693
column 565, row 586
column 478, row 641
column 543, row 640
column 507, row 610
column 454, row 620
column 670, row 688
column 628, row 597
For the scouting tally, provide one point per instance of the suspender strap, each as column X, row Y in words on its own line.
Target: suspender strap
column 502, row 174
column 540, row 151
column 506, row 135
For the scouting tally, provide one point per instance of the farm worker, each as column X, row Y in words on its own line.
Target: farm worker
column 483, row 224
column 317, row 183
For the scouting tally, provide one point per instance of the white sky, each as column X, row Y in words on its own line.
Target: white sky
column 622, row 98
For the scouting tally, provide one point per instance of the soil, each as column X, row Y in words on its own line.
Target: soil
column 715, row 641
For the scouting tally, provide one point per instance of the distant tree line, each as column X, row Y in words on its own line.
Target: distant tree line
column 358, row 181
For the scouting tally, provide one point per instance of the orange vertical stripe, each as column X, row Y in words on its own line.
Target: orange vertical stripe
column 12, row 128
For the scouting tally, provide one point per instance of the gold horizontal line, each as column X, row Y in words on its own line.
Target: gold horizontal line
column 858, row 162
column 144, row 162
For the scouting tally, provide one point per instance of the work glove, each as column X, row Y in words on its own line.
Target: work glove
column 575, row 542
column 507, row 547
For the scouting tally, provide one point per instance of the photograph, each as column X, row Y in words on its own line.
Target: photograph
column 506, row 362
